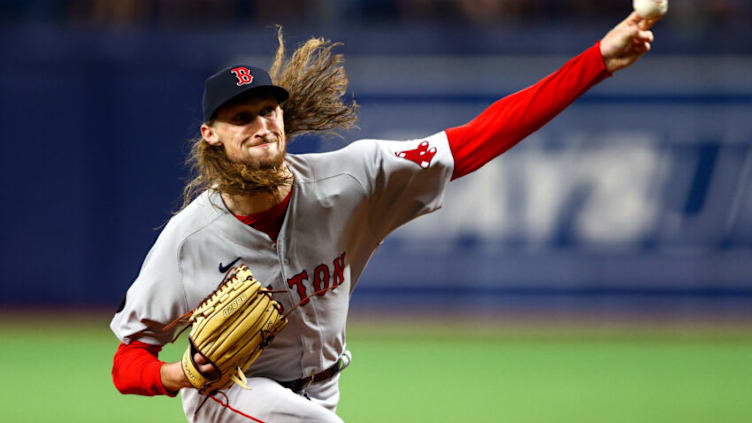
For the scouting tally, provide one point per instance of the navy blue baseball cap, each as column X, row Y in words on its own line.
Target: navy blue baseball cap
column 234, row 81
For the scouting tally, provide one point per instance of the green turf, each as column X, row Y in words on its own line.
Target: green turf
column 59, row 370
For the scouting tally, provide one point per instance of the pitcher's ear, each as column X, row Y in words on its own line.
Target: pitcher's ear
column 210, row 135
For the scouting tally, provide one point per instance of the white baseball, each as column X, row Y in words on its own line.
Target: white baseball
column 650, row 9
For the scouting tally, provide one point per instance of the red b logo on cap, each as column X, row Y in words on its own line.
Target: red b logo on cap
column 243, row 74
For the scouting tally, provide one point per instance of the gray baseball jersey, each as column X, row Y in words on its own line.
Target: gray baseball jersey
column 343, row 204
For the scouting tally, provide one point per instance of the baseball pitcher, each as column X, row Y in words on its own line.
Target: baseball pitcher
column 261, row 260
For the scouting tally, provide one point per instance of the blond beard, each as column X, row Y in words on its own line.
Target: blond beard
column 243, row 178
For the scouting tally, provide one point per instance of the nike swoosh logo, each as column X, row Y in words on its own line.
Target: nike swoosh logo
column 224, row 269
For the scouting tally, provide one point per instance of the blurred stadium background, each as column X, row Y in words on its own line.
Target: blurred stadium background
column 613, row 248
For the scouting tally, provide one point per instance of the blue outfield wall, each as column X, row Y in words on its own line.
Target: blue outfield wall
column 639, row 196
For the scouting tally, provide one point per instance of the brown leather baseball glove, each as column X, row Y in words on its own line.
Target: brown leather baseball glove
column 230, row 327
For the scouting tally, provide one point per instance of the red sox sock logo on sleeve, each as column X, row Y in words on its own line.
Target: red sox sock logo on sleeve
column 243, row 74
column 422, row 155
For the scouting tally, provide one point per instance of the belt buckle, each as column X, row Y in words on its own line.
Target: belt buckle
column 306, row 382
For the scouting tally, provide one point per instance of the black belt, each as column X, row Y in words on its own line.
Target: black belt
column 299, row 385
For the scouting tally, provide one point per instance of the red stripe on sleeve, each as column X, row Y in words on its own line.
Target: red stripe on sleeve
column 135, row 369
column 514, row 117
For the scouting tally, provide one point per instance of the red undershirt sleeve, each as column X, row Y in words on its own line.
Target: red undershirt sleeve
column 135, row 370
column 514, row 117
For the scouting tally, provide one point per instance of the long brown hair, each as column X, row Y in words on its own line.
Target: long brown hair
column 317, row 82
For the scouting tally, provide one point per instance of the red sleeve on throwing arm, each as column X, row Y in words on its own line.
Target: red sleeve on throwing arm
column 135, row 370
column 514, row 117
